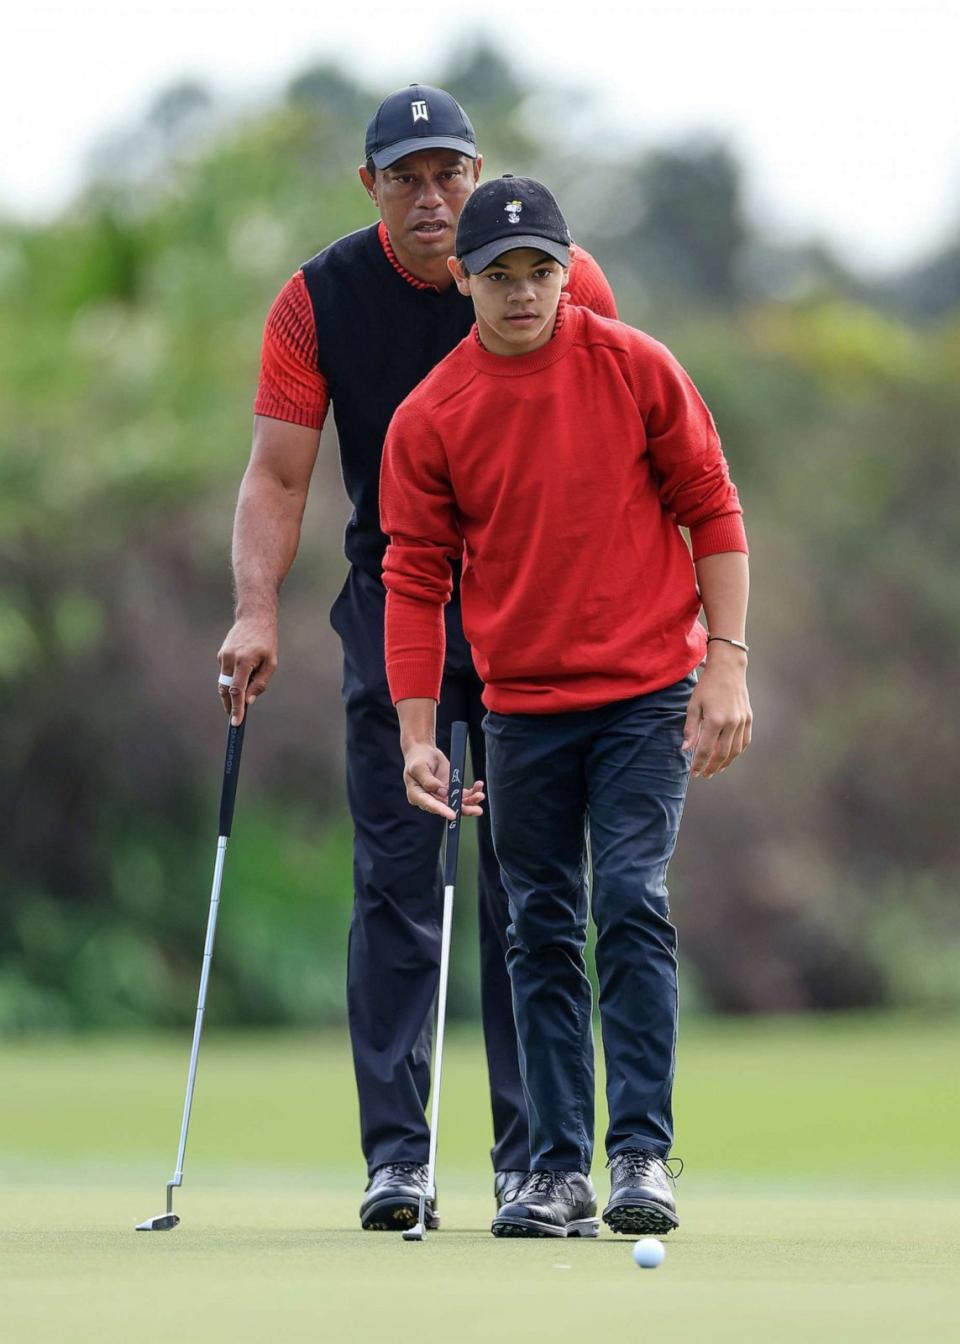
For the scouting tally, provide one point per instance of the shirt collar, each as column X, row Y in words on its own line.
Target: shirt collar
column 413, row 280
column 400, row 270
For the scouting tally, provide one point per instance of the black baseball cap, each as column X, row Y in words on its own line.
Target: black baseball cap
column 415, row 118
column 508, row 213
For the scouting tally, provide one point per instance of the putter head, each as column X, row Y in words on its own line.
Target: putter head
column 419, row 1229
column 164, row 1222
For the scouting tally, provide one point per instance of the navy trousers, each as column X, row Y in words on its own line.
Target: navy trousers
column 394, row 952
column 618, row 777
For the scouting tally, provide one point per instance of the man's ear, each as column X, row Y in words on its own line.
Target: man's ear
column 477, row 167
column 461, row 279
column 566, row 277
column 369, row 183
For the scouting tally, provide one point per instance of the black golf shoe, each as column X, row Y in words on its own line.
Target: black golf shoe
column 506, row 1184
column 550, row 1204
column 392, row 1202
column 641, row 1198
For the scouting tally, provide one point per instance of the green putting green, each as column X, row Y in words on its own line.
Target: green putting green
column 821, row 1200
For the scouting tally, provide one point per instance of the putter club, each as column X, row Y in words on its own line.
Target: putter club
column 164, row 1222
column 458, row 757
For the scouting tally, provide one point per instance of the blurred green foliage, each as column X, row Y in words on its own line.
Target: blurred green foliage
column 821, row 872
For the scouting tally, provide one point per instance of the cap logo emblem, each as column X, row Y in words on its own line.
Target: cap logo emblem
column 512, row 209
column 420, row 111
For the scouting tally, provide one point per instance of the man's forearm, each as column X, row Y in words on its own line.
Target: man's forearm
column 266, row 534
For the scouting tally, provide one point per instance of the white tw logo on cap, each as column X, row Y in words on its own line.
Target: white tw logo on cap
column 420, row 111
column 513, row 209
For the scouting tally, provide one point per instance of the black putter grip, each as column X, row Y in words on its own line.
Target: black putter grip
column 458, row 764
column 231, row 772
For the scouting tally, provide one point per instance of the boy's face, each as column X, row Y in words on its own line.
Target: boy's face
column 515, row 299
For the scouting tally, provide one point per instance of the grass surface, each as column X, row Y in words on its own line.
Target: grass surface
column 821, row 1200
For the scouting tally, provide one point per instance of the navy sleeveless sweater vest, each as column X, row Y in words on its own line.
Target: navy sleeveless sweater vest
column 377, row 337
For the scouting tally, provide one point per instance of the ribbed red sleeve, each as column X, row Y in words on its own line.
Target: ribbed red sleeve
column 418, row 513
column 588, row 286
column 694, row 479
column 291, row 386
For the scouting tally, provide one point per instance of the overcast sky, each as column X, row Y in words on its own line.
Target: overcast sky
column 845, row 114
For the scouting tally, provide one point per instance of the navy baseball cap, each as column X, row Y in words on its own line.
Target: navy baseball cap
column 508, row 213
column 416, row 118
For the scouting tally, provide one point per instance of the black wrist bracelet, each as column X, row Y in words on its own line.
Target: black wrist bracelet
column 737, row 643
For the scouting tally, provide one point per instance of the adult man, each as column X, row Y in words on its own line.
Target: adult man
column 358, row 326
column 559, row 454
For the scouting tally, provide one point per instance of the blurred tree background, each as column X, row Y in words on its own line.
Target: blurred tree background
column 820, row 873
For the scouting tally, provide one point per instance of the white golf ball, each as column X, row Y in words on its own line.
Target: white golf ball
column 648, row 1252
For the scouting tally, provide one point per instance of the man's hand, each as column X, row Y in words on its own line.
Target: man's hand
column 249, row 656
column 266, row 533
column 719, row 719
column 426, row 773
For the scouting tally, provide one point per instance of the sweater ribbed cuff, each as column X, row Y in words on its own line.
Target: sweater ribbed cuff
column 717, row 535
column 414, row 679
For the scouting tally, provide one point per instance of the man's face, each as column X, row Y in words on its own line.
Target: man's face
column 515, row 299
column 420, row 198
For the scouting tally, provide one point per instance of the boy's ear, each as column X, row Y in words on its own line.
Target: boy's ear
column 455, row 267
column 566, row 277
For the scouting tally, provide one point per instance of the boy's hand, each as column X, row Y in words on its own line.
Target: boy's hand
column 426, row 774
column 719, row 718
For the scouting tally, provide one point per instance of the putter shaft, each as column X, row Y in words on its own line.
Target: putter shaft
column 177, row 1177
column 231, row 768
column 458, row 752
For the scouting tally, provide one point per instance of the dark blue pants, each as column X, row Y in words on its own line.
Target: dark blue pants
column 618, row 776
column 394, row 953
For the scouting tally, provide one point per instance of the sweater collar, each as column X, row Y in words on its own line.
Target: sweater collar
column 513, row 366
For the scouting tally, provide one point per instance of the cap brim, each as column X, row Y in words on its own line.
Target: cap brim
column 481, row 257
column 384, row 157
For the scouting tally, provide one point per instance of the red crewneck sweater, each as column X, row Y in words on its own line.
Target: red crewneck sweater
column 562, row 478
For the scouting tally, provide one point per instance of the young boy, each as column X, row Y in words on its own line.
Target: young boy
column 560, row 454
